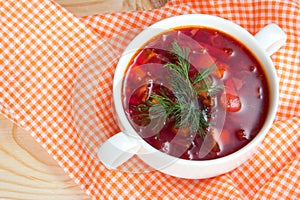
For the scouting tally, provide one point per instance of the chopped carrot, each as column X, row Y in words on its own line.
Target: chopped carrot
column 145, row 55
column 183, row 131
column 221, row 69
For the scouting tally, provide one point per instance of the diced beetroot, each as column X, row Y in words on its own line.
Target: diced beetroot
column 202, row 36
column 230, row 100
column 230, row 103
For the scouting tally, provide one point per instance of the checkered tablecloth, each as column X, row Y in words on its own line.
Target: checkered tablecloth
column 56, row 78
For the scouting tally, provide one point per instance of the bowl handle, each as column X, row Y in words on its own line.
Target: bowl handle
column 117, row 150
column 271, row 38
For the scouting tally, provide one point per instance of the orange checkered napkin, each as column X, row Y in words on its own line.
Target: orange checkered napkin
column 56, row 78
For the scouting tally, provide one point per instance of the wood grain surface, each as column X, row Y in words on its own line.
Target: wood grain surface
column 89, row 7
column 26, row 170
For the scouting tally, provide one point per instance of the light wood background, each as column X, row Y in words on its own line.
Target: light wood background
column 26, row 170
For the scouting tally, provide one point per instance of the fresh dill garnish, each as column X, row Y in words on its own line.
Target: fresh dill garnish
column 183, row 109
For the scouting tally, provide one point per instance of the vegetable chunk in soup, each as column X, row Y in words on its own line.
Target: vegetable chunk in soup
column 195, row 93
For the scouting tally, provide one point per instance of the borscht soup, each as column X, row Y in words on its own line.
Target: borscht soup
column 195, row 93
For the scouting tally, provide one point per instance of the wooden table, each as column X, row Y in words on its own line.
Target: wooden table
column 26, row 170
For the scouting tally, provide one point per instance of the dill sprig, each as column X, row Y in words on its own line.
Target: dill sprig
column 184, row 110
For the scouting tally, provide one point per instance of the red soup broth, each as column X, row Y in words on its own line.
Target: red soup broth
column 244, row 97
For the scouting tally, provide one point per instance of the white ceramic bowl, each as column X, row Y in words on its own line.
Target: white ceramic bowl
column 122, row 146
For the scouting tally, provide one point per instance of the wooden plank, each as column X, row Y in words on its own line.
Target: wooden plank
column 27, row 171
column 89, row 7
